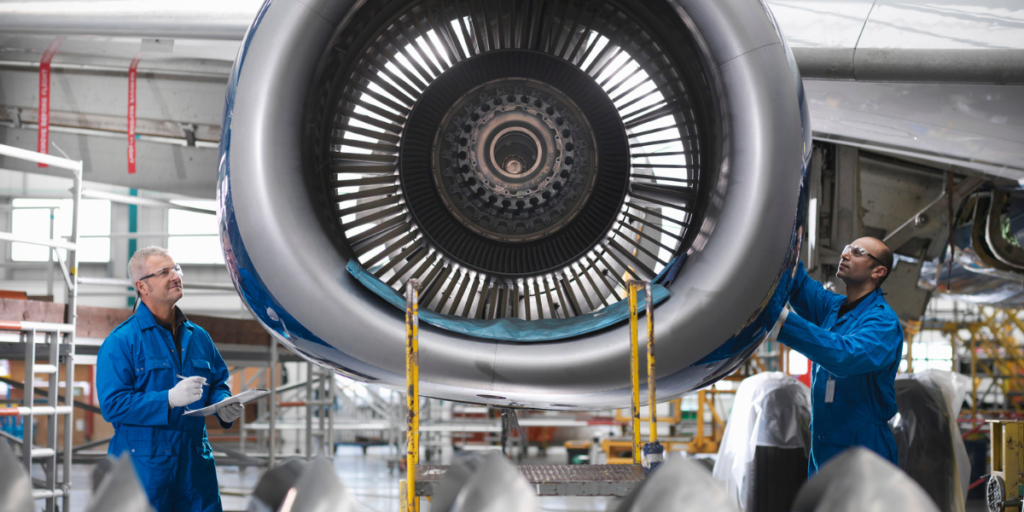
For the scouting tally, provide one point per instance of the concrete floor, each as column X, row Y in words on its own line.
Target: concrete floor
column 367, row 476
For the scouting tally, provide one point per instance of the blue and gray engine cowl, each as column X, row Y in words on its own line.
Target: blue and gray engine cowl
column 523, row 160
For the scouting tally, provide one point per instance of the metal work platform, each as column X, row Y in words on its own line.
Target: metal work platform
column 555, row 479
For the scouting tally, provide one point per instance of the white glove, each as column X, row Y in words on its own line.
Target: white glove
column 185, row 392
column 230, row 412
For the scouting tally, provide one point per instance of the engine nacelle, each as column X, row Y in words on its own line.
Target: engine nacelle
column 523, row 160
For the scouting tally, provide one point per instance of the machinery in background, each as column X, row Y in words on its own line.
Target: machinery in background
column 986, row 347
column 988, row 263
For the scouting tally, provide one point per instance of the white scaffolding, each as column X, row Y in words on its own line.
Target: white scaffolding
column 61, row 341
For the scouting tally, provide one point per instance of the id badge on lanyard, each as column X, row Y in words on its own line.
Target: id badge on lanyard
column 830, row 390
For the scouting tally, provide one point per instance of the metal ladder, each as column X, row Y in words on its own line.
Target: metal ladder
column 58, row 336
column 61, row 339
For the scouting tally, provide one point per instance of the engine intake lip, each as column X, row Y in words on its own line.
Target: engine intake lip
column 287, row 250
column 458, row 196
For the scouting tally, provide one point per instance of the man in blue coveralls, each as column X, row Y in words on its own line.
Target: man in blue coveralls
column 856, row 343
column 151, row 367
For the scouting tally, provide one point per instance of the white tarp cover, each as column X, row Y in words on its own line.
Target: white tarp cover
column 924, row 445
column 771, row 409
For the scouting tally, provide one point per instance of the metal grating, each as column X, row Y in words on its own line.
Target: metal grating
column 555, row 479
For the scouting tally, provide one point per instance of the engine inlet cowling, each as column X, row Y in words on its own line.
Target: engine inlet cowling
column 522, row 160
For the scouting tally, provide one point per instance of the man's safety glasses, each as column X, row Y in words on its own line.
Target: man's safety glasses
column 164, row 272
column 861, row 252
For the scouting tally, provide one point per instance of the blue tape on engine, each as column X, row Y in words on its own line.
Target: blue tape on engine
column 512, row 329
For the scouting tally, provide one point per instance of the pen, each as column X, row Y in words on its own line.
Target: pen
column 183, row 378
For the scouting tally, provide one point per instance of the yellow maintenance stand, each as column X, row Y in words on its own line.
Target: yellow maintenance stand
column 1003, row 490
column 548, row 479
column 412, row 382
column 657, row 452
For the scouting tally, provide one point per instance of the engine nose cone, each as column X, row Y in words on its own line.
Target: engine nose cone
column 521, row 167
column 516, row 148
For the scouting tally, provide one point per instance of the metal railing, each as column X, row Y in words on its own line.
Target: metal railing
column 52, row 253
column 51, row 488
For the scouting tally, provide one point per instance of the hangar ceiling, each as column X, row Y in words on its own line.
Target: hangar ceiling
column 180, row 98
column 189, row 49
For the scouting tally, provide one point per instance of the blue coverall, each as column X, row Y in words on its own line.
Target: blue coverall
column 137, row 365
column 861, row 352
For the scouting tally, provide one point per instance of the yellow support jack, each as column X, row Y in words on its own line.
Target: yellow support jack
column 653, row 450
column 634, row 365
column 1004, row 481
column 412, row 384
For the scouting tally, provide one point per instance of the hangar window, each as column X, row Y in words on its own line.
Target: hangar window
column 931, row 350
column 192, row 236
column 31, row 218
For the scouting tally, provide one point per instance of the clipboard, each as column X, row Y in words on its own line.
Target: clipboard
column 242, row 398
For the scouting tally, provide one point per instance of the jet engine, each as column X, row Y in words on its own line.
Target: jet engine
column 523, row 160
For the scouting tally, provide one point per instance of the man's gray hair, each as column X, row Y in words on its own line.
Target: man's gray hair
column 137, row 265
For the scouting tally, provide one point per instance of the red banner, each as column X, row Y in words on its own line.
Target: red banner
column 43, row 142
column 132, row 72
